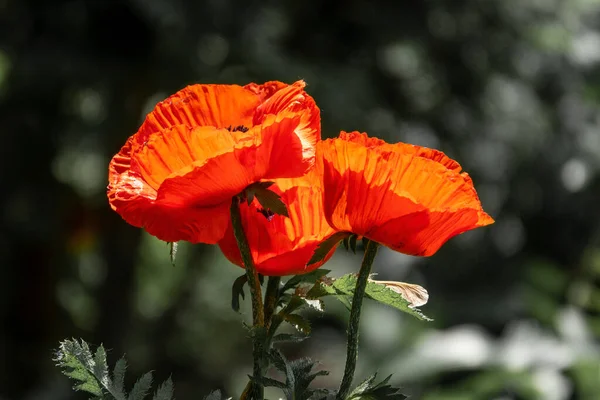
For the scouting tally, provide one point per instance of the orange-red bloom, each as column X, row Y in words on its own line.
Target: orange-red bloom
column 409, row 198
column 281, row 245
column 203, row 145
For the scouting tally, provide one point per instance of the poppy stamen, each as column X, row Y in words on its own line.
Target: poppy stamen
column 240, row 128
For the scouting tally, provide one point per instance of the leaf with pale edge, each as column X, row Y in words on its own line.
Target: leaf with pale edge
column 237, row 291
column 267, row 198
column 298, row 377
column 345, row 286
column 92, row 374
column 368, row 390
column 325, row 247
column 299, row 322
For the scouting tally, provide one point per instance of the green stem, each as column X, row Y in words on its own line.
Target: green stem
column 271, row 298
column 258, row 317
column 353, row 325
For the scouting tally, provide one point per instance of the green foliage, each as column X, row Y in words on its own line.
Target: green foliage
column 237, row 291
column 270, row 200
column 91, row 373
column 299, row 376
column 325, row 246
column 369, row 390
column 343, row 287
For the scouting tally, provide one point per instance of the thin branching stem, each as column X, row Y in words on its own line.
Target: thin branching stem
column 353, row 324
column 258, row 317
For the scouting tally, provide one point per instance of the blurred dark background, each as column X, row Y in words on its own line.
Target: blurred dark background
column 509, row 88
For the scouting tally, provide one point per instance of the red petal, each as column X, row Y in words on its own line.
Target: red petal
column 283, row 246
column 219, row 106
column 409, row 198
column 136, row 202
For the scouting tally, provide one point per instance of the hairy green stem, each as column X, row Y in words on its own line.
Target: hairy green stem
column 258, row 317
column 353, row 325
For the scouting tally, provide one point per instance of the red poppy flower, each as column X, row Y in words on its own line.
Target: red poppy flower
column 280, row 245
column 203, row 145
column 409, row 198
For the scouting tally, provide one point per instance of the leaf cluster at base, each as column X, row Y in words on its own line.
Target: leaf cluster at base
column 91, row 373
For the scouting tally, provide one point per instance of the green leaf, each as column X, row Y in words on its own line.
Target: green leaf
column 298, row 322
column 315, row 304
column 164, row 391
column 367, row 390
column 325, row 247
column 118, row 382
column 92, row 374
column 385, row 295
column 344, row 286
column 173, row 252
column 270, row 200
column 100, row 370
column 76, row 361
column 298, row 375
column 309, row 278
column 237, row 291
column 141, row 387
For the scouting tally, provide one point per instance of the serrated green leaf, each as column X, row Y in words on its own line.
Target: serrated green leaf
column 237, row 291
column 268, row 199
column 92, row 373
column 367, row 390
column 90, row 387
column 325, row 247
column 298, row 375
column 118, row 382
column 299, row 322
column 164, row 391
column 100, row 370
column 141, row 387
column 385, row 295
column 315, row 304
column 344, row 286
column 173, row 252
column 308, row 278
column 76, row 361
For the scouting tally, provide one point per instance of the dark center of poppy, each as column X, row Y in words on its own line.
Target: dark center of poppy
column 267, row 213
column 241, row 128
